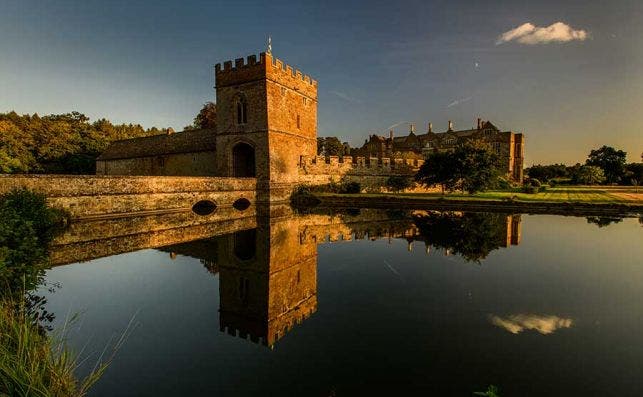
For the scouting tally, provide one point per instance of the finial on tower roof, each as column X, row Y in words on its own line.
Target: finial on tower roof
column 269, row 49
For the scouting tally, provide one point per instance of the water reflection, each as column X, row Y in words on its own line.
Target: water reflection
column 544, row 324
column 267, row 260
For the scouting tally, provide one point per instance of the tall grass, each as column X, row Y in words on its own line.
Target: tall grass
column 33, row 363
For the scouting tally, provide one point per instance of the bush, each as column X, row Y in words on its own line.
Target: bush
column 350, row 188
column 503, row 184
column 302, row 197
column 531, row 189
column 398, row 183
column 534, row 182
column 27, row 226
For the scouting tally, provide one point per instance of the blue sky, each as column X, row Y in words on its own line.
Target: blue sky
column 377, row 63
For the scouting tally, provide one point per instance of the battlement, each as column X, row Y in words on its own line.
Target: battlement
column 349, row 164
column 252, row 66
column 279, row 65
column 240, row 63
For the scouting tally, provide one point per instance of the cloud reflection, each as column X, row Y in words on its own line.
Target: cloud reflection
column 545, row 324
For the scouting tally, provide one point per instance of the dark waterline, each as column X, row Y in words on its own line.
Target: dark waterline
column 536, row 305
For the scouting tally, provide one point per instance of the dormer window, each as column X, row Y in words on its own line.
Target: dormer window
column 242, row 116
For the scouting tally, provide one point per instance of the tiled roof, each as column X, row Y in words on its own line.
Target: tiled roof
column 155, row 145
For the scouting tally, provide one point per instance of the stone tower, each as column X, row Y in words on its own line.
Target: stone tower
column 266, row 122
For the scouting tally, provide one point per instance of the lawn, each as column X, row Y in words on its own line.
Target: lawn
column 580, row 194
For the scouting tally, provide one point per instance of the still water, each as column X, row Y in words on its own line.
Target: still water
column 356, row 303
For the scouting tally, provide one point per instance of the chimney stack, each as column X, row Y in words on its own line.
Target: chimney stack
column 430, row 127
column 479, row 123
column 390, row 134
column 450, row 126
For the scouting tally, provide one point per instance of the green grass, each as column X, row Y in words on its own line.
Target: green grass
column 33, row 363
column 575, row 194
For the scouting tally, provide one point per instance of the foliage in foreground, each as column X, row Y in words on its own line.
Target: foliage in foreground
column 468, row 168
column 31, row 362
column 27, row 226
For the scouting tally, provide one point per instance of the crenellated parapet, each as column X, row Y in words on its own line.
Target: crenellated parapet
column 358, row 165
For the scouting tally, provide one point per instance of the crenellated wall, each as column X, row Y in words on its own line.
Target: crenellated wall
column 371, row 173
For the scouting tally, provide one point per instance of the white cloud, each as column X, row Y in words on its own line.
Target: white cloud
column 459, row 101
column 545, row 324
column 345, row 97
column 530, row 34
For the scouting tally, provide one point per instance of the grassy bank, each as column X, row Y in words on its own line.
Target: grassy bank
column 580, row 200
column 32, row 362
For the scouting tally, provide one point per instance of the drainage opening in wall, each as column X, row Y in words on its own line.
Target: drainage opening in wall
column 204, row 207
column 241, row 204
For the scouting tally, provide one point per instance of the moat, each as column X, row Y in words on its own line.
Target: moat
column 265, row 302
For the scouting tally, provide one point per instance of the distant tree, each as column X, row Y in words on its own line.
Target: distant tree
column 547, row 172
column 610, row 160
column 469, row 168
column 330, row 146
column 398, row 183
column 588, row 175
column 633, row 174
column 207, row 117
column 58, row 143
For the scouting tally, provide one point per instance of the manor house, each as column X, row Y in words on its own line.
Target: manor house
column 508, row 145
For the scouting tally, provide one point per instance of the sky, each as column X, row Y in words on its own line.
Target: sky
column 568, row 74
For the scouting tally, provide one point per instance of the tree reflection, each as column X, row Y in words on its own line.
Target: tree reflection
column 602, row 221
column 472, row 235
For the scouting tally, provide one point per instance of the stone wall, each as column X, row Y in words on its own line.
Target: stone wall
column 189, row 164
column 371, row 173
column 86, row 196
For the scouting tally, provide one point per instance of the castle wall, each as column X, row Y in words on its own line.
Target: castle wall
column 93, row 196
column 188, row 164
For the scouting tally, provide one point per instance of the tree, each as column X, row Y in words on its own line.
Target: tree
column 398, row 183
column 330, row 146
column 471, row 168
column 633, row 174
column 207, row 117
column 588, row 175
column 547, row 172
column 610, row 160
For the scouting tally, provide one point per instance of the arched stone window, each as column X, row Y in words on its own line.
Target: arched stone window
column 242, row 110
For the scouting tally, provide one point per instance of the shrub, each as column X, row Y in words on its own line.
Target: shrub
column 531, row 189
column 27, row 226
column 398, row 183
column 534, row 182
column 302, row 197
column 350, row 187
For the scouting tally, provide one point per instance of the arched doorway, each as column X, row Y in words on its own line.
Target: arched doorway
column 243, row 160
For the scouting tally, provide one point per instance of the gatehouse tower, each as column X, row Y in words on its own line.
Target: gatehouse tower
column 266, row 122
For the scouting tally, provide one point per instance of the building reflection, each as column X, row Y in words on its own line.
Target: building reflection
column 266, row 260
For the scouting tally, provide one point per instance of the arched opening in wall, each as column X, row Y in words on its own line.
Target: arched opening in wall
column 204, row 207
column 241, row 204
column 243, row 160
column 244, row 244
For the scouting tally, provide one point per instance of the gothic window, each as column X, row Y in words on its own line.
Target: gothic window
column 305, row 101
column 242, row 116
column 298, row 122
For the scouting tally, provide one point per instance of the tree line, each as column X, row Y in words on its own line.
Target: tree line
column 69, row 143
column 603, row 165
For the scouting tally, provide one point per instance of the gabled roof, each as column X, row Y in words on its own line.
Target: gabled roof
column 156, row 145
